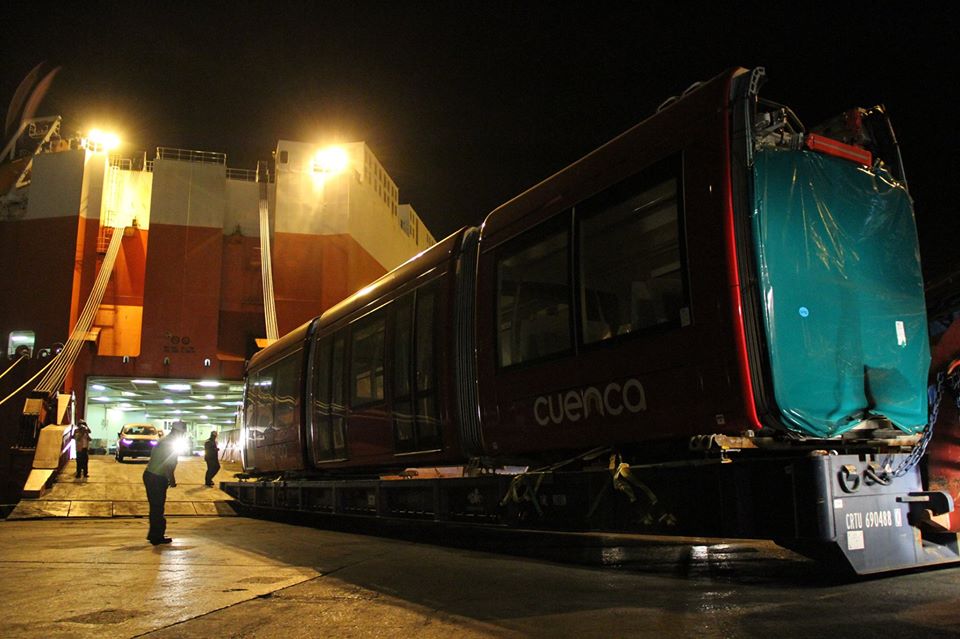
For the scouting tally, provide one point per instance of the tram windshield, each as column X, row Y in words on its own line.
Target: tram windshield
column 843, row 303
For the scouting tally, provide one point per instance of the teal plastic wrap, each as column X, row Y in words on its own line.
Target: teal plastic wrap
column 843, row 304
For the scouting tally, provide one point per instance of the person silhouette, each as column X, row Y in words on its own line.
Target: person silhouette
column 156, row 479
column 81, row 440
column 212, row 457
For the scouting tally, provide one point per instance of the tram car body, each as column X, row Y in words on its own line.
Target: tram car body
column 717, row 268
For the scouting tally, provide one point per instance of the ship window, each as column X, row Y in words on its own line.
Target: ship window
column 533, row 294
column 631, row 263
column 20, row 343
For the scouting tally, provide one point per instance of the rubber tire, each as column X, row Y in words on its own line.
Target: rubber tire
column 119, row 458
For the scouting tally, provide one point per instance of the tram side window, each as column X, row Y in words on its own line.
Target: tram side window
column 533, row 295
column 320, row 410
column 402, row 365
column 632, row 276
column 250, row 409
column 416, row 414
column 338, row 403
column 264, row 406
column 287, row 383
column 329, row 410
column 366, row 361
column 272, row 402
column 427, row 410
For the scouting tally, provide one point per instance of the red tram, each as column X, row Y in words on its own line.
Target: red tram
column 630, row 299
column 719, row 283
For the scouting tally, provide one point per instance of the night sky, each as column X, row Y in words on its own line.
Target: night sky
column 469, row 103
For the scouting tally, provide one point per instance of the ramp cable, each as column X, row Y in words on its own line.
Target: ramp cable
column 266, row 264
column 65, row 359
column 11, row 366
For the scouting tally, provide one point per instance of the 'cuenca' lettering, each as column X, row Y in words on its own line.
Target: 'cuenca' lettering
column 574, row 405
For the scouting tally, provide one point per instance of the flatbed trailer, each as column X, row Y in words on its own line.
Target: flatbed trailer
column 830, row 507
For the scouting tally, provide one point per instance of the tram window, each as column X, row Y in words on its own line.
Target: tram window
column 20, row 344
column 427, row 415
column 402, row 365
column 630, row 259
column 272, row 403
column 533, row 295
column 251, row 401
column 416, row 416
column 338, row 406
column 264, row 407
column 366, row 361
column 320, row 422
column 328, row 409
column 285, row 394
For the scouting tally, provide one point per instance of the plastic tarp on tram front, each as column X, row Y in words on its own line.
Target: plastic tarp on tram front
column 843, row 302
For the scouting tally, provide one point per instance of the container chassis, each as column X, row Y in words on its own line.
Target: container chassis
column 844, row 509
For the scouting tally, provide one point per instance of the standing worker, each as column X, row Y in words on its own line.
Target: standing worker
column 156, row 478
column 81, row 439
column 211, row 455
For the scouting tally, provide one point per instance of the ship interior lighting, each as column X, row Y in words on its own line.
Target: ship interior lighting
column 166, row 399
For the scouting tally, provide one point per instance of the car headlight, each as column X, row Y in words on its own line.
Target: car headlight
column 154, row 442
column 126, row 442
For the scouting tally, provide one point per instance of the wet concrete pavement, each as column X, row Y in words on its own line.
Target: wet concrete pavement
column 239, row 577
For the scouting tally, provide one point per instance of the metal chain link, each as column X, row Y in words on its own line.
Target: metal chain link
column 921, row 447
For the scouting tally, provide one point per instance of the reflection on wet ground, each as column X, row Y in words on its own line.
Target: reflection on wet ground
column 241, row 577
